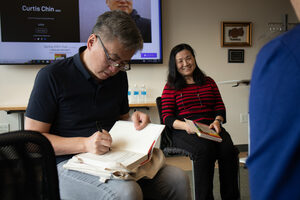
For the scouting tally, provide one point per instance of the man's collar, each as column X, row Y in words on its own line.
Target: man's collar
column 79, row 64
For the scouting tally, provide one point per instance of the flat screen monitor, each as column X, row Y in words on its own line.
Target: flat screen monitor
column 40, row 32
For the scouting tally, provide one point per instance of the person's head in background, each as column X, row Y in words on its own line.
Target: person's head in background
column 183, row 68
column 296, row 5
column 114, row 40
column 124, row 5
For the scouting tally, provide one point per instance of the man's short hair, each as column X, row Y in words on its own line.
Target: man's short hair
column 118, row 24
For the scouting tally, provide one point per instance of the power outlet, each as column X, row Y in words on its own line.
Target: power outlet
column 4, row 127
column 244, row 117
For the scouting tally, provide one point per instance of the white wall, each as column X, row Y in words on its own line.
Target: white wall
column 196, row 22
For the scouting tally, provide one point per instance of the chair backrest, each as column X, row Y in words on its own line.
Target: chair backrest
column 166, row 143
column 27, row 167
column 166, row 137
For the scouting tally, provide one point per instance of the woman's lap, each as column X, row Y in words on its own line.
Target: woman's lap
column 205, row 153
column 201, row 147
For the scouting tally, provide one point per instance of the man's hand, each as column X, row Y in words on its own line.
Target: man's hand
column 99, row 142
column 140, row 120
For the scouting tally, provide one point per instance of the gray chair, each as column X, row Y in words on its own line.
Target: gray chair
column 27, row 167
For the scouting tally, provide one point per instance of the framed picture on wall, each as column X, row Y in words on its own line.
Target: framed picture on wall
column 235, row 55
column 236, row 34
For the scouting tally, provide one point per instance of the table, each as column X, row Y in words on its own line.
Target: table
column 147, row 105
column 20, row 110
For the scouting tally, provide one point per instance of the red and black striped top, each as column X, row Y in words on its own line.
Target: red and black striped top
column 198, row 103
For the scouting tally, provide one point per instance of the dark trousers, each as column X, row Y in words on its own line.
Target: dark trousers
column 205, row 153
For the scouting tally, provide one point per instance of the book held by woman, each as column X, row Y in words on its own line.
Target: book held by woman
column 202, row 130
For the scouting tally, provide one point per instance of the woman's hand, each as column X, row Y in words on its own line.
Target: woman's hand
column 216, row 125
column 182, row 125
column 188, row 129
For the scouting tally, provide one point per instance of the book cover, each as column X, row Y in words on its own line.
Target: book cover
column 202, row 130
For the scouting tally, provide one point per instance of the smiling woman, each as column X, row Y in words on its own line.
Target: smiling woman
column 186, row 65
column 190, row 94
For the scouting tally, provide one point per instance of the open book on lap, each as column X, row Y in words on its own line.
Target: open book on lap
column 113, row 160
column 130, row 149
column 202, row 130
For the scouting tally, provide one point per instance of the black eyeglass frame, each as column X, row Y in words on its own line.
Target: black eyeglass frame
column 121, row 66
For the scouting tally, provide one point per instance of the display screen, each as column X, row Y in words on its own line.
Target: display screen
column 40, row 32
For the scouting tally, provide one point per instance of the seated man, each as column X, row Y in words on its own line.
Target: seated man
column 70, row 95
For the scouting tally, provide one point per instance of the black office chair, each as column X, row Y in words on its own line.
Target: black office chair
column 166, row 143
column 27, row 167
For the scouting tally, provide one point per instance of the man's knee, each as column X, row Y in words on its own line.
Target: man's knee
column 177, row 181
column 129, row 190
column 176, row 175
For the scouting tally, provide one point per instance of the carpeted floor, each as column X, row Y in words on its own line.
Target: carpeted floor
column 244, row 184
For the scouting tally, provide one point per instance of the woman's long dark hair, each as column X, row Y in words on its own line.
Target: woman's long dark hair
column 175, row 79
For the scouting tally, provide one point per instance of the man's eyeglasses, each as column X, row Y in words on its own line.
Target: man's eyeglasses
column 124, row 66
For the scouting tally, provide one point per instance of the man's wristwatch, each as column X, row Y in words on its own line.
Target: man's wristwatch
column 220, row 121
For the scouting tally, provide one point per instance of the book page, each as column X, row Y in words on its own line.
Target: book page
column 113, row 159
column 126, row 137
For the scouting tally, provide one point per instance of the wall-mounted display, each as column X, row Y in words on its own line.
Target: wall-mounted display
column 40, row 32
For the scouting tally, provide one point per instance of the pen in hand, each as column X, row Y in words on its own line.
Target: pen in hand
column 99, row 128
column 98, row 125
